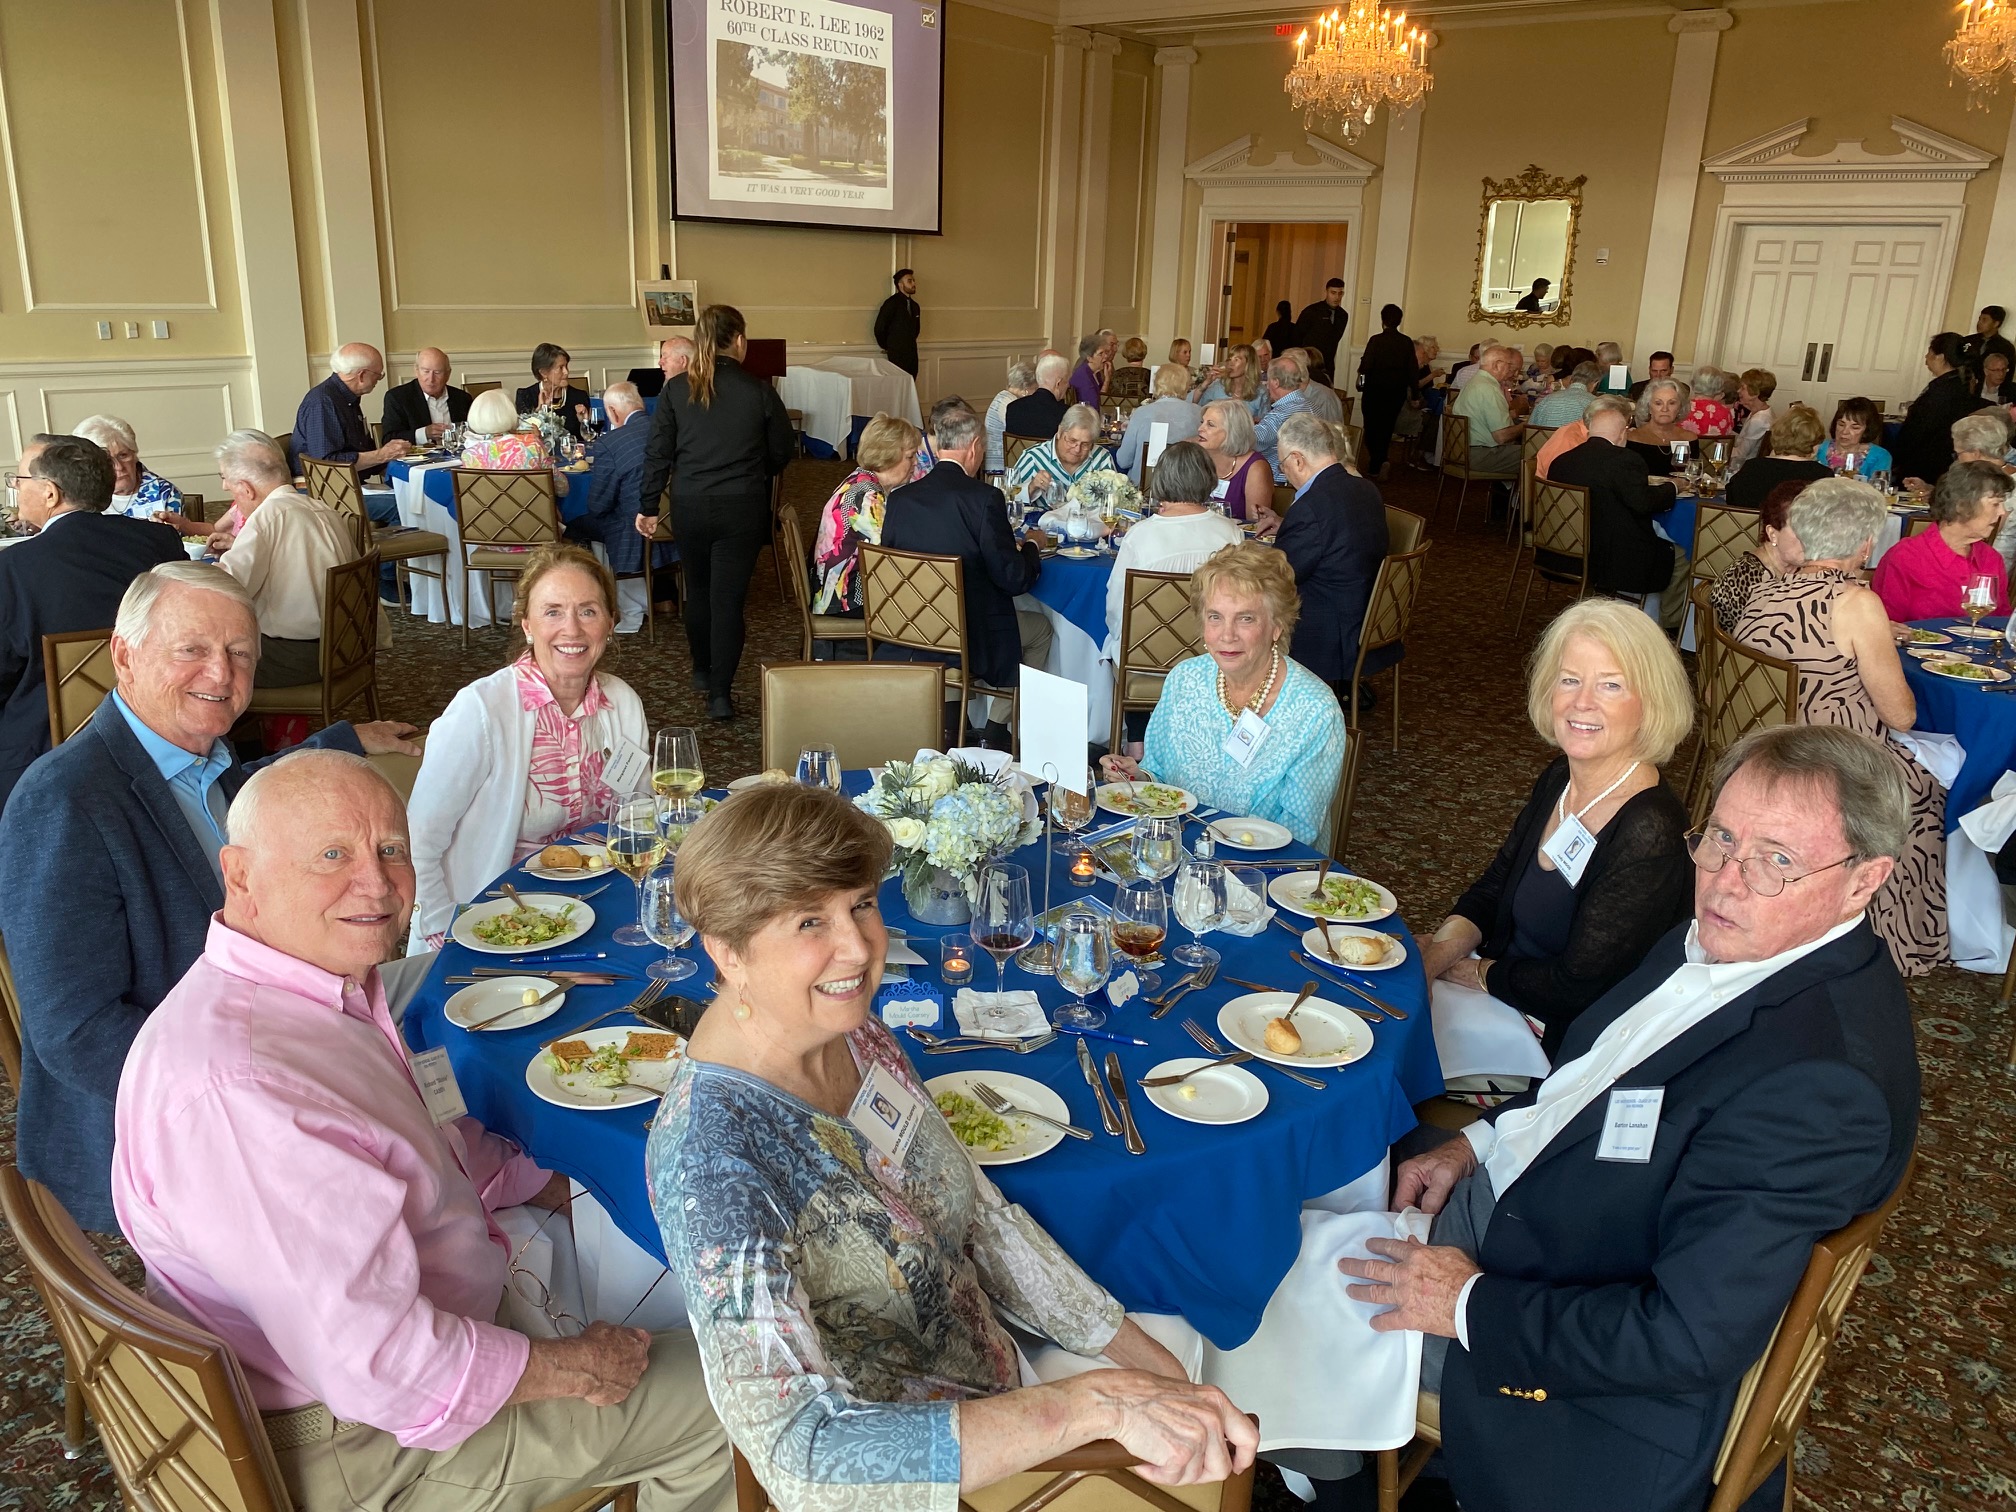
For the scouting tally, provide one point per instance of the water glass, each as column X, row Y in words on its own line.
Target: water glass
column 1200, row 905
column 1071, row 812
column 819, row 766
column 1158, row 845
column 1084, row 961
column 1245, row 897
column 658, row 909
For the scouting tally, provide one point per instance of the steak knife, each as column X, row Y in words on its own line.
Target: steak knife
column 1118, row 1084
column 1106, row 1117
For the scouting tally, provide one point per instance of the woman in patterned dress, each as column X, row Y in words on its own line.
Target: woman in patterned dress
column 516, row 759
column 1822, row 619
column 842, row 1285
column 887, row 459
column 1776, row 553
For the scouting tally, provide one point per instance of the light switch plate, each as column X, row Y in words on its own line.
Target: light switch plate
column 132, row 330
column 104, row 330
column 160, row 330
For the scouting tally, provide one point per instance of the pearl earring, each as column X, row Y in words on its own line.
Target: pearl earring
column 742, row 1009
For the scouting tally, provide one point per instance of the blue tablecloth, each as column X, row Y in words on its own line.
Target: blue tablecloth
column 1677, row 523
column 1984, row 722
column 1206, row 1224
column 1076, row 589
column 439, row 485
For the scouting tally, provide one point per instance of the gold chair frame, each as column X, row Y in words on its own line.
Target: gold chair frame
column 336, row 484
column 77, row 673
column 917, row 600
column 1742, row 690
column 1722, row 533
column 1388, row 612
column 812, row 628
column 349, row 649
column 1456, row 464
column 1519, row 517
column 1012, row 448
column 1158, row 628
column 1405, row 530
column 500, row 508
column 831, row 680
column 1561, row 527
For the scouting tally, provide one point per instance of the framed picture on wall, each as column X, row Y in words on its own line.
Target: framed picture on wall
column 671, row 305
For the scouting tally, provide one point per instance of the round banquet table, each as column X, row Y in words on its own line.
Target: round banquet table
column 1206, row 1224
column 425, row 491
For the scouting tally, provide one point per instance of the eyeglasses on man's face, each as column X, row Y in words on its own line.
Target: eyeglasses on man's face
column 1767, row 874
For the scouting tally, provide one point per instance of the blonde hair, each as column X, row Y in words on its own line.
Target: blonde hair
column 1133, row 349
column 548, row 560
column 884, row 440
column 1172, row 381
column 1797, row 432
column 1651, row 668
column 773, row 849
column 1252, row 570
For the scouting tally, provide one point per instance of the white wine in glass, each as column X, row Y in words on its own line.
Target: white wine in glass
column 634, row 846
column 676, row 772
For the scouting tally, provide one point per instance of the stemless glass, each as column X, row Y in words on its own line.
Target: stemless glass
column 819, row 766
column 1140, row 922
column 664, row 924
column 1003, row 922
column 1245, row 897
column 1158, row 845
column 1200, row 905
column 676, row 772
column 1070, row 812
column 635, row 846
column 1084, row 961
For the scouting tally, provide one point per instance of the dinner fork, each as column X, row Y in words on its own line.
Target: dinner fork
column 643, row 999
column 1211, row 1046
column 996, row 1103
column 1206, row 975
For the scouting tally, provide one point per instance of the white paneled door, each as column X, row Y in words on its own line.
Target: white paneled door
column 1834, row 311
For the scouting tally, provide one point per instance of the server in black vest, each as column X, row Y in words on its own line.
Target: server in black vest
column 718, row 438
column 898, row 322
column 1387, row 371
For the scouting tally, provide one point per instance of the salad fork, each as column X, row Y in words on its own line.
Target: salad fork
column 1206, row 975
column 644, row 999
column 1211, row 1046
column 996, row 1103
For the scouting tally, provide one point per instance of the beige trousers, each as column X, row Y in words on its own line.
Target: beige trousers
column 664, row 1436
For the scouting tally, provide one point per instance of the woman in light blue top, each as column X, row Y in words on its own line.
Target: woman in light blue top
column 1857, row 424
column 1246, row 607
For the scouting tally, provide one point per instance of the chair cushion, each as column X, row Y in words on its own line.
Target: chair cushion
column 1142, row 687
column 397, row 545
column 302, row 698
column 502, row 561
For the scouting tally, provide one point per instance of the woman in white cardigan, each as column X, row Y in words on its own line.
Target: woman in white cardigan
column 1179, row 536
column 516, row 760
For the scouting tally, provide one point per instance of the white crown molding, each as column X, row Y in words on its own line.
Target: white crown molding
column 1232, row 167
column 1700, row 21
column 1928, row 157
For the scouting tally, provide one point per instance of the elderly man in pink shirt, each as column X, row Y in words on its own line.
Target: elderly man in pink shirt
column 290, row 1188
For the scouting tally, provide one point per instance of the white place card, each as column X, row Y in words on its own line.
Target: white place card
column 1620, row 376
column 1054, row 715
column 1208, row 351
column 1158, row 438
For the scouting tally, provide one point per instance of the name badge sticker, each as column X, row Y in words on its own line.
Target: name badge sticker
column 1249, row 733
column 1569, row 848
column 625, row 767
column 1630, row 1124
column 887, row 1113
column 438, row 1087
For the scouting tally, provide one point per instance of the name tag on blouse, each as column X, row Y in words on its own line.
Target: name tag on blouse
column 887, row 1113
column 1569, row 848
column 1249, row 733
column 625, row 767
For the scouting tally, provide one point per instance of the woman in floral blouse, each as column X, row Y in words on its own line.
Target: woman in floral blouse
column 842, row 1290
column 887, row 458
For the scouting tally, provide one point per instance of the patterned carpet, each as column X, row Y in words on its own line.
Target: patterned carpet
column 1917, row 1409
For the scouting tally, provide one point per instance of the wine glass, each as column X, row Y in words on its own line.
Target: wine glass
column 676, row 772
column 635, row 846
column 1003, row 922
column 1977, row 596
column 1200, row 905
column 819, row 766
column 1140, row 922
column 1084, row 961
column 1071, row 812
column 658, row 911
column 1158, row 845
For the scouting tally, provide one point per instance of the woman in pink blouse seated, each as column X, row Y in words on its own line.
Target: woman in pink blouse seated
column 1922, row 577
column 516, row 760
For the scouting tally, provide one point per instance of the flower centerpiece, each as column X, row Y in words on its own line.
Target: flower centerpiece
column 1108, row 493
column 551, row 426
column 949, row 818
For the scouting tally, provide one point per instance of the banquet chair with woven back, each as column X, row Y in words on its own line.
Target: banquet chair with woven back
column 1741, row 690
column 336, row 485
column 499, row 510
column 661, row 535
column 871, row 713
column 1405, row 530
column 1521, row 514
column 1560, row 541
column 1721, row 535
column 77, row 673
column 813, row 629
column 1775, row 1393
column 1012, row 448
column 1456, row 464
column 349, row 649
column 1158, row 628
column 1917, row 525
column 173, row 1409
column 918, row 601
column 1388, row 612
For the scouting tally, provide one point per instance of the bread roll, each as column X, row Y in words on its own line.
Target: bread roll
column 561, row 858
column 1362, row 950
column 1283, row 1038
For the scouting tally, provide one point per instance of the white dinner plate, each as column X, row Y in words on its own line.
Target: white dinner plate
column 1292, row 890
column 1076, row 553
column 597, row 858
column 743, row 784
column 1033, row 1137
column 1249, row 834
column 575, row 1089
column 1929, row 638
column 1934, row 653
column 1975, row 632
column 1222, row 1095
column 1396, row 949
column 1977, row 673
column 580, row 920
column 473, row 1005
column 1332, row 1035
column 1113, row 797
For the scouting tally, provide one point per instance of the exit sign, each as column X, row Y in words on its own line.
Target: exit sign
column 1284, row 28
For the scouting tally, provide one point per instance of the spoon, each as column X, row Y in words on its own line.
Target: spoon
column 1308, row 991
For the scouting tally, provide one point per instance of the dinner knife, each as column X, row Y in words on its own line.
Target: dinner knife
column 1118, row 1084
column 1106, row 1116
column 1330, row 974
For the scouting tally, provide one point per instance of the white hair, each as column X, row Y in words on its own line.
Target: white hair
column 1080, row 420
column 136, row 609
column 241, row 824
column 1609, row 351
column 621, row 395
column 353, row 358
column 108, row 431
column 252, row 456
column 494, row 413
column 1310, row 435
column 1985, row 431
column 1050, row 367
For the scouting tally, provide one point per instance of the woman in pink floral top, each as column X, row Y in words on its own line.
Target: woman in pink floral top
column 496, row 444
column 519, row 758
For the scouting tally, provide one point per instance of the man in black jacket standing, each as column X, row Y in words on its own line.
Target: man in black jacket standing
column 1613, row 1248
column 950, row 512
column 1387, row 371
column 422, row 410
column 1320, row 326
column 1335, row 538
column 898, row 322
column 1924, row 446
column 1626, row 555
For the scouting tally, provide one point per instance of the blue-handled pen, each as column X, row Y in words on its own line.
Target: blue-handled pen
column 577, row 955
column 1101, row 1034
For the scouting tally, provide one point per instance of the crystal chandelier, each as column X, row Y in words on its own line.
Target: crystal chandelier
column 1360, row 57
column 1983, row 51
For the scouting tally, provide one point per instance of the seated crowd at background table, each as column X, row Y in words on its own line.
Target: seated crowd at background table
column 292, row 891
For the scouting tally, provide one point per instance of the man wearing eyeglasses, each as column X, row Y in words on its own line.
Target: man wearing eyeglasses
column 1612, row 1250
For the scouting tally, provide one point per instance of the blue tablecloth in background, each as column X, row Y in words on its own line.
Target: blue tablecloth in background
column 1206, row 1224
column 1076, row 589
column 1984, row 722
column 439, row 485
column 1677, row 523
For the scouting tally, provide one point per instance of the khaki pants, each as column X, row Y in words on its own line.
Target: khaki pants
column 664, row 1435
column 1036, row 638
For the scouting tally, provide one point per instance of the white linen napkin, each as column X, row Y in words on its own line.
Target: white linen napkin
column 999, row 1015
column 1991, row 825
column 1941, row 755
column 1239, row 897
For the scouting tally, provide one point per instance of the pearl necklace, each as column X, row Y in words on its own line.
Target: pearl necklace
column 1254, row 703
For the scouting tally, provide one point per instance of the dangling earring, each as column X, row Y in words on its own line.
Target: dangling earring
column 742, row 1009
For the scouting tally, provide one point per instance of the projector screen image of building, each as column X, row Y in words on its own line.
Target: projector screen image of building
column 807, row 112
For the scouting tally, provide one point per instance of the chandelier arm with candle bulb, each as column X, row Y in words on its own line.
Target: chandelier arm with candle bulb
column 1352, row 61
column 1983, row 51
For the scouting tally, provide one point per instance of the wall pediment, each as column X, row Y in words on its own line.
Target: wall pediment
column 1233, row 167
column 1928, row 156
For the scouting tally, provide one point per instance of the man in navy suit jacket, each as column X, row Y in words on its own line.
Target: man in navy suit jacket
column 614, row 489
column 950, row 512
column 68, row 577
column 1639, row 1221
column 111, row 843
column 1335, row 539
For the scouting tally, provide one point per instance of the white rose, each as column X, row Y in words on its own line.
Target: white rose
column 940, row 776
column 907, row 833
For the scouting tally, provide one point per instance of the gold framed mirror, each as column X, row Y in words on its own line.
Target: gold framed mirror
column 1526, row 249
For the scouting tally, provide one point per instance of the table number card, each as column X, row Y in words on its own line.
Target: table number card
column 1055, row 711
column 1158, row 438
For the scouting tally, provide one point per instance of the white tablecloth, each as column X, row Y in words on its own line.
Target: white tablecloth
column 1075, row 655
column 830, row 393
column 415, row 508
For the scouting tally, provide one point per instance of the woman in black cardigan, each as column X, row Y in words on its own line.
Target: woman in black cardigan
column 555, row 388
column 1549, row 932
